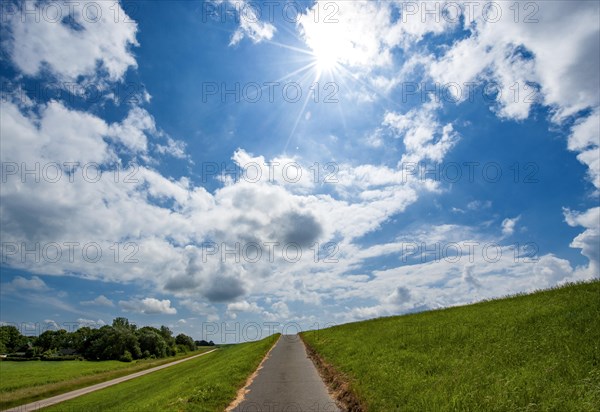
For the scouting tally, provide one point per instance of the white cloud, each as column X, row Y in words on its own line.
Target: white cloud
column 508, row 225
column 244, row 306
column 250, row 24
column 363, row 34
column 281, row 310
column 175, row 148
column 168, row 220
column 449, row 281
column 589, row 240
column 352, row 31
column 478, row 205
column 369, row 312
column 233, row 309
column 101, row 41
column 35, row 284
column 131, row 131
column 423, row 136
column 51, row 325
column 90, row 323
column 399, row 297
column 148, row 306
column 101, row 300
column 201, row 308
column 585, row 139
column 469, row 277
column 169, row 252
column 563, row 62
column 35, row 138
column 375, row 139
column 551, row 271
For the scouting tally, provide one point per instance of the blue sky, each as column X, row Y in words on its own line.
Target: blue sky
column 213, row 166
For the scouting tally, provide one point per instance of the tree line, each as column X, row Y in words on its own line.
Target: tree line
column 122, row 341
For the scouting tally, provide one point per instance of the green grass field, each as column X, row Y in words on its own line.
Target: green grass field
column 23, row 382
column 208, row 383
column 538, row 352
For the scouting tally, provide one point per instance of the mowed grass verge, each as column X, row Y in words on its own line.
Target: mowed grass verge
column 537, row 352
column 208, row 383
column 24, row 382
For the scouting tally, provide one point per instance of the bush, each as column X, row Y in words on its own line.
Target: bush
column 126, row 357
column 204, row 343
column 20, row 358
column 61, row 358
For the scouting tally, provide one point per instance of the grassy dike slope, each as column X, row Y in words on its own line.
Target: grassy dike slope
column 208, row 383
column 533, row 352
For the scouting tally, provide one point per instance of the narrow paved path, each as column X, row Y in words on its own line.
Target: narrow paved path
column 34, row 406
column 288, row 381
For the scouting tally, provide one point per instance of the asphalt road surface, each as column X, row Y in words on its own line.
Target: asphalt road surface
column 34, row 406
column 288, row 381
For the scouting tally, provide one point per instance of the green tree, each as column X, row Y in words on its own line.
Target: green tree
column 11, row 339
column 186, row 341
column 52, row 340
column 167, row 335
column 123, row 323
column 94, row 347
column 81, row 339
column 151, row 342
column 111, row 343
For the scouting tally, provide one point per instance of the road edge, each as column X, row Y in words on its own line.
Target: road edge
column 337, row 383
column 241, row 393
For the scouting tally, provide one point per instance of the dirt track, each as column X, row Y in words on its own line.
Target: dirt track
column 34, row 406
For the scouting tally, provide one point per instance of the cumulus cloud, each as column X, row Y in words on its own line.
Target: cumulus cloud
column 90, row 42
column 478, row 205
column 242, row 306
column 469, row 277
column 166, row 221
column 101, row 300
column 201, row 308
column 51, row 324
column 224, row 288
column 423, row 136
column 169, row 222
column 550, row 271
column 363, row 34
column 280, row 310
column 515, row 54
column 35, row 283
column 131, row 132
column 585, row 139
column 148, row 306
column 299, row 228
column 189, row 279
column 250, row 24
column 90, row 323
column 175, row 148
column 482, row 268
column 589, row 240
column 509, row 224
column 400, row 296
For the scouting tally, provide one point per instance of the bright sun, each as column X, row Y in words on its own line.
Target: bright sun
column 326, row 56
column 329, row 45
